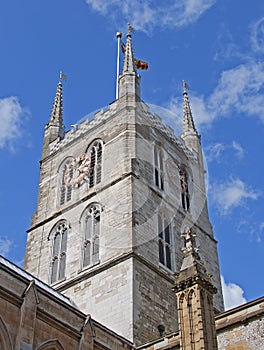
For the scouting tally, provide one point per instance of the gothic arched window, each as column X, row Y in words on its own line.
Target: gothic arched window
column 158, row 167
column 91, row 234
column 65, row 172
column 96, row 152
column 59, row 246
column 165, row 242
column 185, row 195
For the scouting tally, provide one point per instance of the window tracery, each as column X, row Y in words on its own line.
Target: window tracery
column 91, row 221
column 96, row 152
column 59, row 247
column 66, row 188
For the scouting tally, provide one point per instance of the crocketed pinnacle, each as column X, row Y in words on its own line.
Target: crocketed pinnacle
column 57, row 108
column 129, row 62
column 188, row 123
column 190, row 251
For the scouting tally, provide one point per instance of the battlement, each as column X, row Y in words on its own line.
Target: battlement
column 92, row 120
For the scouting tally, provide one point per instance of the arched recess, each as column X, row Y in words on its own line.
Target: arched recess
column 5, row 340
column 190, row 303
column 181, row 309
column 51, row 344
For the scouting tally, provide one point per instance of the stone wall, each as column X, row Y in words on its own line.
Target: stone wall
column 242, row 328
column 34, row 316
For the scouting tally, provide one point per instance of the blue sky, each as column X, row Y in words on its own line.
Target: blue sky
column 216, row 46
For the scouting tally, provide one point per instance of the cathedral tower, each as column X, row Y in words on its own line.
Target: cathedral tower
column 114, row 195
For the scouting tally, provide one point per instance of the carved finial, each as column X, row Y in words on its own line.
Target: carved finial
column 189, row 241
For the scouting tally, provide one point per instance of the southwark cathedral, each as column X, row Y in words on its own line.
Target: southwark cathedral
column 120, row 252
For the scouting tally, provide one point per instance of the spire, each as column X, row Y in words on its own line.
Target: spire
column 129, row 62
column 55, row 128
column 188, row 123
column 57, row 108
column 129, row 80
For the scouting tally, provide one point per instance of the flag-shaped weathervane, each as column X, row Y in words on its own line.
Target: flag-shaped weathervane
column 63, row 76
column 130, row 28
column 185, row 85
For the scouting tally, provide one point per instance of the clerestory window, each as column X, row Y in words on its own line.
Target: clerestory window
column 91, row 221
column 59, row 247
column 158, row 168
column 165, row 242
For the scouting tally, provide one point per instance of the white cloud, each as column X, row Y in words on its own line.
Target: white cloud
column 232, row 194
column 5, row 245
column 257, row 36
column 10, row 115
column 239, row 150
column 239, row 90
column 215, row 151
column 145, row 15
column 233, row 294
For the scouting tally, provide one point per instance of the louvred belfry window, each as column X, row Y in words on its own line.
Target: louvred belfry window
column 185, row 195
column 59, row 247
column 95, row 173
column 91, row 221
column 164, row 234
column 158, row 168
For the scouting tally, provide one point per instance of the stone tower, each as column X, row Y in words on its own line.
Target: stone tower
column 195, row 292
column 114, row 195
